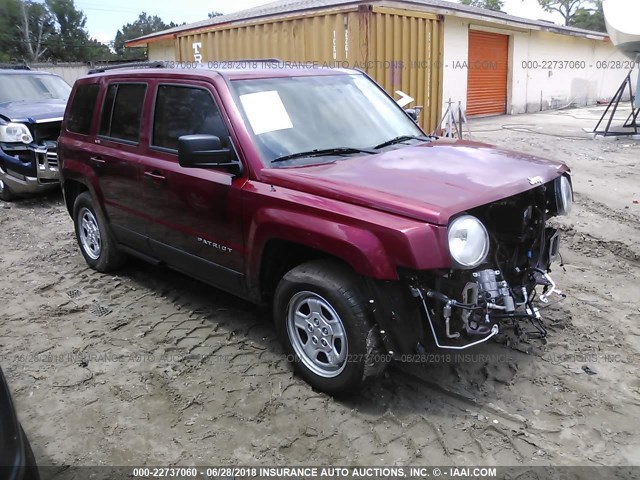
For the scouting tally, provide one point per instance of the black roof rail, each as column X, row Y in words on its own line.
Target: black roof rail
column 14, row 66
column 127, row 65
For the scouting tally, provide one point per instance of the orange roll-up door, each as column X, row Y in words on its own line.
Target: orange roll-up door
column 487, row 78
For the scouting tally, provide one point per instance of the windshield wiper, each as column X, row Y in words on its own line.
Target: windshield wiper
column 401, row 138
column 323, row 153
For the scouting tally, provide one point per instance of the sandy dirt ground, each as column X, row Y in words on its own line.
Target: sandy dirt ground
column 150, row 367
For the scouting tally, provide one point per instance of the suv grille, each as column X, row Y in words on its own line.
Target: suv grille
column 52, row 158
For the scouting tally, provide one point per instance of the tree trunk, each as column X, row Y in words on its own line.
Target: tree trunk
column 39, row 52
column 26, row 34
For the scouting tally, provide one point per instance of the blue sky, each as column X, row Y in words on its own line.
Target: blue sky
column 104, row 19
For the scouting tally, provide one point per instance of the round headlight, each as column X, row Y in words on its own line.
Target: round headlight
column 468, row 241
column 564, row 195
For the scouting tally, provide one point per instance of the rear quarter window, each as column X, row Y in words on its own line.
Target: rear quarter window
column 82, row 107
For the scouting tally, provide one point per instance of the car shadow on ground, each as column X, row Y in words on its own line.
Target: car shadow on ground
column 43, row 200
column 466, row 378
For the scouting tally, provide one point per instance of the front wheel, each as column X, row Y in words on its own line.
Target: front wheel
column 323, row 320
column 5, row 193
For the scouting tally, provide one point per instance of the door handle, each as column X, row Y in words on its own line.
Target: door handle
column 155, row 175
column 98, row 160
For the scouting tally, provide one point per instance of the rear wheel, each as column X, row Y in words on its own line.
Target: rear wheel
column 95, row 241
column 323, row 320
column 5, row 193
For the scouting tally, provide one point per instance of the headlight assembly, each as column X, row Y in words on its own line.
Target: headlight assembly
column 468, row 241
column 564, row 195
column 15, row 133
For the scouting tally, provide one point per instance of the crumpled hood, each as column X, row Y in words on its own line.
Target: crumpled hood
column 430, row 182
column 32, row 112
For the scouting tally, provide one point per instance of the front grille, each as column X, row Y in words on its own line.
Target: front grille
column 52, row 158
column 39, row 159
column 45, row 156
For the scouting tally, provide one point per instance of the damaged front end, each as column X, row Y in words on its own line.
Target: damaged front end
column 28, row 156
column 501, row 253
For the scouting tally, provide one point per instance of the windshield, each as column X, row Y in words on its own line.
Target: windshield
column 32, row 88
column 303, row 114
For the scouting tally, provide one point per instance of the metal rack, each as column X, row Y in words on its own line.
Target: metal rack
column 612, row 108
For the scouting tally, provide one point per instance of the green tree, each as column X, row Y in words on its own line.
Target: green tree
column 32, row 31
column 10, row 45
column 34, row 27
column 590, row 19
column 71, row 41
column 567, row 8
column 144, row 25
column 488, row 4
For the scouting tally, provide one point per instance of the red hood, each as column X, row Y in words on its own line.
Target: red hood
column 429, row 182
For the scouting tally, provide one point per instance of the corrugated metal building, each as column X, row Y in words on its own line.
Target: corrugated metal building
column 432, row 50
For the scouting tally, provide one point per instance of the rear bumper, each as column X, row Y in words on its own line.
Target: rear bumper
column 38, row 173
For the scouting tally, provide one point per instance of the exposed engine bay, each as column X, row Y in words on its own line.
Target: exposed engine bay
column 502, row 254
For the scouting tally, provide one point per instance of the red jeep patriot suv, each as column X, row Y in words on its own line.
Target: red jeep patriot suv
column 312, row 190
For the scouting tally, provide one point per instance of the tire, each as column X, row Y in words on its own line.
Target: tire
column 331, row 309
column 5, row 193
column 98, row 247
column 31, row 467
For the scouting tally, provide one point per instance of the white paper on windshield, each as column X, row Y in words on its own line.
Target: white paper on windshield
column 266, row 112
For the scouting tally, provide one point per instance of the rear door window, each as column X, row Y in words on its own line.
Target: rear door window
column 184, row 110
column 82, row 107
column 122, row 111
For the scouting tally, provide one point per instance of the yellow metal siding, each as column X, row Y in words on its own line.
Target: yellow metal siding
column 400, row 49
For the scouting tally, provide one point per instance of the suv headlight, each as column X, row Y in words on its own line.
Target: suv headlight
column 468, row 241
column 564, row 195
column 15, row 133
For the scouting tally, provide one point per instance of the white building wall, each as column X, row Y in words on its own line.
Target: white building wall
column 70, row 72
column 538, row 86
column 456, row 51
column 164, row 50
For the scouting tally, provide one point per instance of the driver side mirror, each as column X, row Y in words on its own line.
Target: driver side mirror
column 205, row 151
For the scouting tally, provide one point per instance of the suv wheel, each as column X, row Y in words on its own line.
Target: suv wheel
column 323, row 320
column 5, row 193
column 96, row 244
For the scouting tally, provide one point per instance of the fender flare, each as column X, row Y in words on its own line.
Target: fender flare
column 357, row 247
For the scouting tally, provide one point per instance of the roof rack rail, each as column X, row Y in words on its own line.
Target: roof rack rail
column 127, row 65
column 14, row 66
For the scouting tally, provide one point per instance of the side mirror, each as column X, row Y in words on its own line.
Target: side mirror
column 205, row 151
column 413, row 113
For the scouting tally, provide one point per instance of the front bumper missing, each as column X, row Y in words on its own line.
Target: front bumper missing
column 494, row 316
column 494, row 330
